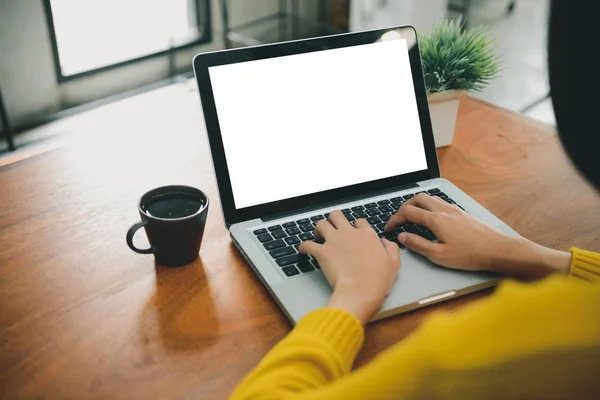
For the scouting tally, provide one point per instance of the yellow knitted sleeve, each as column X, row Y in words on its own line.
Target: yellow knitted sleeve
column 585, row 265
column 536, row 340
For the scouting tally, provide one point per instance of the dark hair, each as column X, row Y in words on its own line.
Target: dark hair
column 573, row 63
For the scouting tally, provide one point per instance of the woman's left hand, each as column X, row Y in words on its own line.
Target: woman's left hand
column 359, row 265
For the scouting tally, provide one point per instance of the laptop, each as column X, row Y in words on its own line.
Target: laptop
column 301, row 128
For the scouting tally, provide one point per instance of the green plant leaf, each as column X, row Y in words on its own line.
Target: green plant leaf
column 454, row 58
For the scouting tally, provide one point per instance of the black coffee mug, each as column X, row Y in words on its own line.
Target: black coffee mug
column 174, row 218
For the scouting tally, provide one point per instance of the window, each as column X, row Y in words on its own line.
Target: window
column 92, row 35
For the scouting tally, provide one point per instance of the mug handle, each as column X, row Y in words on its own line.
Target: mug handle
column 132, row 232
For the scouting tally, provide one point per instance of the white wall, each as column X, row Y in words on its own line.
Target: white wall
column 378, row 14
column 27, row 73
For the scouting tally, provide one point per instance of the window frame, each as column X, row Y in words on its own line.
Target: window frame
column 203, row 17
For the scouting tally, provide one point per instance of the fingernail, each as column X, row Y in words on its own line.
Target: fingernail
column 402, row 237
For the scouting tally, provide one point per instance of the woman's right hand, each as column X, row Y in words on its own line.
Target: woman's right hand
column 465, row 242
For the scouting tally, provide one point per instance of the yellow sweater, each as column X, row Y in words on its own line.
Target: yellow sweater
column 526, row 341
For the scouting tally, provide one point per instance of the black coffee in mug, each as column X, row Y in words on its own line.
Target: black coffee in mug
column 174, row 205
column 174, row 218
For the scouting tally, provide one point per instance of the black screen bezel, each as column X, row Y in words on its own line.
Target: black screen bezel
column 205, row 60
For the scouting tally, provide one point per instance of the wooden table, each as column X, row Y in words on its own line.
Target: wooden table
column 82, row 316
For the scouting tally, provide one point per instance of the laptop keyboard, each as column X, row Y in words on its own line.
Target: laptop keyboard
column 282, row 241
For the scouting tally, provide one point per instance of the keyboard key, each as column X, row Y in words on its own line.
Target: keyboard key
column 283, row 251
column 383, row 202
column 305, row 266
column 375, row 228
column 349, row 217
column 410, row 228
column 327, row 215
column 370, row 205
column 306, row 236
column 396, row 199
column 395, row 206
column 373, row 220
column 385, row 209
column 346, row 211
column 290, row 271
column 260, row 231
column 303, row 221
column 317, row 217
column 274, row 228
column 360, row 214
column 422, row 191
column 289, row 224
column 278, row 234
column 293, row 259
column 408, row 196
column 307, row 227
column 265, row 237
column 381, row 234
column 385, row 217
column 315, row 263
column 292, row 240
column 432, row 191
column 275, row 244
column 397, row 231
column 357, row 208
column 373, row 211
column 292, row 231
column 381, row 226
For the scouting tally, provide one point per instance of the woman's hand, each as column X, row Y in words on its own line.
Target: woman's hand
column 465, row 242
column 360, row 267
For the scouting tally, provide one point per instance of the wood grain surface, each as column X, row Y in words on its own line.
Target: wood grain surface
column 82, row 316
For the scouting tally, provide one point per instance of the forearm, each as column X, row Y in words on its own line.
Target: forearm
column 526, row 260
column 346, row 299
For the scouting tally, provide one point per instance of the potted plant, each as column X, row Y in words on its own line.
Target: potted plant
column 455, row 61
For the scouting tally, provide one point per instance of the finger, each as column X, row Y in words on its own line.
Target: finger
column 422, row 200
column 339, row 220
column 310, row 247
column 410, row 213
column 429, row 203
column 398, row 218
column 361, row 223
column 392, row 249
column 418, row 244
column 323, row 229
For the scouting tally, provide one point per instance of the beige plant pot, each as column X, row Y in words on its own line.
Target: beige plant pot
column 443, row 108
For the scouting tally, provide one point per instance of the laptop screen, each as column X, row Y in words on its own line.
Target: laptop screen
column 306, row 123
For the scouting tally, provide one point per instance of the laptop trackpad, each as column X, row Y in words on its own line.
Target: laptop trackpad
column 419, row 279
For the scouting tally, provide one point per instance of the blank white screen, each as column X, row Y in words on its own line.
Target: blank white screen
column 305, row 123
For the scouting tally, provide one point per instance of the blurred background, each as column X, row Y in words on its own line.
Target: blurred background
column 62, row 58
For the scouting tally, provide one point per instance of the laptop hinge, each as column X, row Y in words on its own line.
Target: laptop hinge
column 333, row 203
